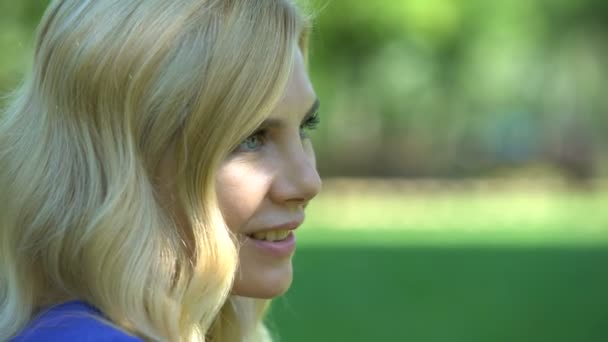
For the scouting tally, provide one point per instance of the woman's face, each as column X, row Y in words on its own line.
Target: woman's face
column 265, row 185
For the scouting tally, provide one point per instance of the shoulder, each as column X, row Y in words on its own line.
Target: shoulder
column 72, row 321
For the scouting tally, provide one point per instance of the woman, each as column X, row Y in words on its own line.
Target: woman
column 153, row 168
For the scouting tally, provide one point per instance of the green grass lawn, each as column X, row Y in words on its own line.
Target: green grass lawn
column 452, row 272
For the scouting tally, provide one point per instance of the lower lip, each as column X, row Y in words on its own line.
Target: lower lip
column 283, row 248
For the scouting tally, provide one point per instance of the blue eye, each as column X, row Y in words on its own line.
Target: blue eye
column 252, row 142
column 309, row 124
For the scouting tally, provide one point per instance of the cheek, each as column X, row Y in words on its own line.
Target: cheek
column 242, row 188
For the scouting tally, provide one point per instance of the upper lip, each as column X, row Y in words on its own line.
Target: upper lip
column 290, row 225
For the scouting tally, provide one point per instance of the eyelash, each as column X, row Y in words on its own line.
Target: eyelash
column 310, row 124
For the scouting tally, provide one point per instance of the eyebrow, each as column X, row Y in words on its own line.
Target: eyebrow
column 277, row 123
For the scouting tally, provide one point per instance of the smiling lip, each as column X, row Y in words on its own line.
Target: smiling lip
column 282, row 248
column 279, row 249
column 292, row 225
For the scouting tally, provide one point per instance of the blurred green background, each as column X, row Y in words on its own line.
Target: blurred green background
column 463, row 151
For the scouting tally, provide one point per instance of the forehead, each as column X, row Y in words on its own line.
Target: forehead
column 299, row 94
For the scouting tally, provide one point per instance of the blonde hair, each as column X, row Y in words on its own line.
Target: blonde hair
column 115, row 85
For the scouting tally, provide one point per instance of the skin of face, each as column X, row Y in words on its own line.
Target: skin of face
column 267, row 182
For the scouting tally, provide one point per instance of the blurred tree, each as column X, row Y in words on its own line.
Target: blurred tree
column 443, row 88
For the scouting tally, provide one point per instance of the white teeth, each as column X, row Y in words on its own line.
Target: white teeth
column 282, row 234
column 275, row 235
column 259, row 236
column 271, row 236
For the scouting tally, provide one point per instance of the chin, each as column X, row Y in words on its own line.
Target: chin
column 269, row 292
column 263, row 285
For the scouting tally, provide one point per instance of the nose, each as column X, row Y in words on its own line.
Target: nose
column 297, row 180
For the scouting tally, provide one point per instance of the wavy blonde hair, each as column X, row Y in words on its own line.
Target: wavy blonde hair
column 116, row 85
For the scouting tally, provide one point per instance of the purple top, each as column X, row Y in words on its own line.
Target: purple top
column 71, row 321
